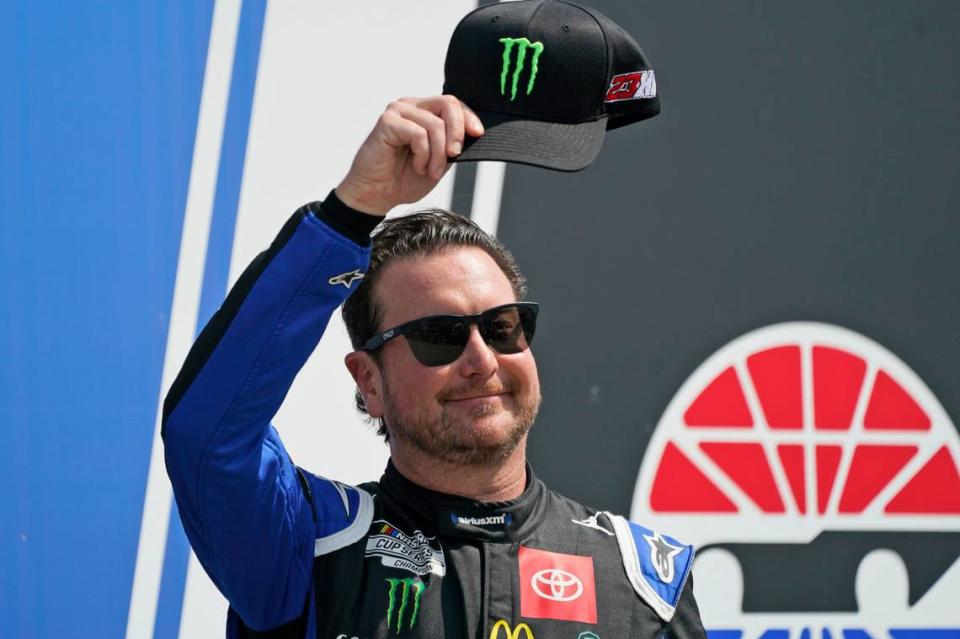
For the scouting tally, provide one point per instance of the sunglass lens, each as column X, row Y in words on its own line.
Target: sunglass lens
column 437, row 341
column 509, row 330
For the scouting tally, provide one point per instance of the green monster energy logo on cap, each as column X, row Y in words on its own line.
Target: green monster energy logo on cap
column 405, row 587
column 522, row 45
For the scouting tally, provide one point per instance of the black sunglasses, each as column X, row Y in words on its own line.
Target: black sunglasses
column 440, row 339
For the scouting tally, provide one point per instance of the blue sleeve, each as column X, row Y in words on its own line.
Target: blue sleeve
column 254, row 520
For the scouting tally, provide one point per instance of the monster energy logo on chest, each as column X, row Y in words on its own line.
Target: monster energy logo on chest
column 408, row 591
column 522, row 45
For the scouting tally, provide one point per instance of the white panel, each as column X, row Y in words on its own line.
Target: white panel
column 326, row 72
column 486, row 195
column 204, row 611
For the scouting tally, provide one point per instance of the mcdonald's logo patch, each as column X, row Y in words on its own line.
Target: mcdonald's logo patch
column 510, row 633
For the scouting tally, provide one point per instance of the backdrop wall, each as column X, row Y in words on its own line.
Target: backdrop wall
column 746, row 335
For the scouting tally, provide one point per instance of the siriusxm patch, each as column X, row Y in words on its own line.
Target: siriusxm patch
column 502, row 519
column 416, row 553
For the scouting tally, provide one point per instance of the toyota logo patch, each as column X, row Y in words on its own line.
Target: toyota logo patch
column 557, row 585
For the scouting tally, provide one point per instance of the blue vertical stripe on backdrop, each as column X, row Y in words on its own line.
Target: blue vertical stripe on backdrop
column 216, row 270
column 98, row 113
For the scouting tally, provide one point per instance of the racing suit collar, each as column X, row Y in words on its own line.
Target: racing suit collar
column 463, row 518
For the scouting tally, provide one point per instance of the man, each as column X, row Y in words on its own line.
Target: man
column 458, row 538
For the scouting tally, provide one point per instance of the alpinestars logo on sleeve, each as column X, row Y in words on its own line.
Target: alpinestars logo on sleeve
column 346, row 278
column 522, row 45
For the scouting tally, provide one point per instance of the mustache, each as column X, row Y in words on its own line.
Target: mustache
column 487, row 387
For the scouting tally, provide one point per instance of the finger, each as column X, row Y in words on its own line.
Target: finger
column 400, row 132
column 436, row 134
column 452, row 114
column 472, row 123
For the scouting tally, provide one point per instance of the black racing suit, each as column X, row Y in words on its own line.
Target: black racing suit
column 298, row 555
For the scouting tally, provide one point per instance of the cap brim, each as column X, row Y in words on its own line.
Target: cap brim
column 551, row 145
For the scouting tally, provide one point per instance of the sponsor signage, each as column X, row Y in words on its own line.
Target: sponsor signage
column 502, row 630
column 632, row 86
column 818, row 476
column 517, row 62
column 557, row 586
column 502, row 519
column 403, row 602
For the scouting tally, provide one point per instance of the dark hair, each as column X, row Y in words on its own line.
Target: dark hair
column 425, row 232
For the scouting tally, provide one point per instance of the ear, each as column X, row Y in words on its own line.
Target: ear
column 366, row 375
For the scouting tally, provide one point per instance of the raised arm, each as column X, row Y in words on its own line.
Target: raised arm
column 253, row 519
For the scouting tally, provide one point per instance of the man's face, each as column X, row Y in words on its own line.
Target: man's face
column 476, row 409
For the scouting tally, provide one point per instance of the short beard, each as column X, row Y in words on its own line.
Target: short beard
column 438, row 440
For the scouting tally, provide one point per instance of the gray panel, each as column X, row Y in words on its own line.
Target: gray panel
column 805, row 167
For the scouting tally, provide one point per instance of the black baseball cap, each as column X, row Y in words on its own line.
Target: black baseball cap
column 548, row 78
